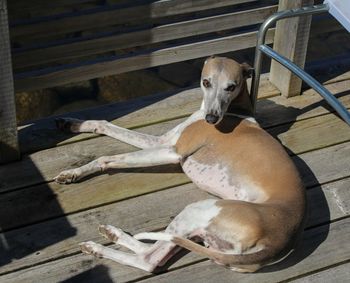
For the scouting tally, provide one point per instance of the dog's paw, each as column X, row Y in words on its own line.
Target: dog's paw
column 69, row 125
column 109, row 232
column 91, row 248
column 67, row 177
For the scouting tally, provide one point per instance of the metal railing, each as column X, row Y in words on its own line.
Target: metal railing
column 262, row 48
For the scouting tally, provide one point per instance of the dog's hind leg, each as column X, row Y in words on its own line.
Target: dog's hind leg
column 119, row 237
column 125, row 258
column 187, row 224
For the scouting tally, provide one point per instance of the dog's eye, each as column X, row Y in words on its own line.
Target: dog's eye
column 206, row 83
column 231, row 88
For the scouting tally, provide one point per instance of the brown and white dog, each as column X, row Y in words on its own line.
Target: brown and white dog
column 261, row 213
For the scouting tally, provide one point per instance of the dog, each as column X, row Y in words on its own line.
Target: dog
column 261, row 211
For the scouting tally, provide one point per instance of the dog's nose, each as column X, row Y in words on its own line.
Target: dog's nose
column 211, row 119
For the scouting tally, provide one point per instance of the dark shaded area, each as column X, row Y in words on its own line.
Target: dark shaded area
column 16, row 212
column 302, row 250
column 11, row 153
column 97, row 274
column 30, row 137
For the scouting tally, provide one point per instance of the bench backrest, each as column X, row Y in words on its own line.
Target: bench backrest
column 85, row 39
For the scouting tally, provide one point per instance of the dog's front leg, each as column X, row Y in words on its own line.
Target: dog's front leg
column 102, row 127
column 134, row 138
column 141, row 158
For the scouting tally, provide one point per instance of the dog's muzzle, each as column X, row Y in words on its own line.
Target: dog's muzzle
column 211, row 119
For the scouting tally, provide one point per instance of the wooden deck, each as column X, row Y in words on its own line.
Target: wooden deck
column 42, row 222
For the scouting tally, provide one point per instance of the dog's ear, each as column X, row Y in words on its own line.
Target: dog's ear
column 211, row 57
column 247, row 70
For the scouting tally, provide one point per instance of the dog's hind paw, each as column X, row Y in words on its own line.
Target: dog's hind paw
column 66, row 177
column 69, row 125
column 109, row 232
column 91, row 248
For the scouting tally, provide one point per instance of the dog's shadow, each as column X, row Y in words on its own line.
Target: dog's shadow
column 318, row 212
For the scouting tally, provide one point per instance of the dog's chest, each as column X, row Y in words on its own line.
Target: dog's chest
column 221, row 180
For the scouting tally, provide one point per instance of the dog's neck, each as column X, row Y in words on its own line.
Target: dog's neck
column 241, row 105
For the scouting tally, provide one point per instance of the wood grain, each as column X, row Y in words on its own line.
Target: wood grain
column 291, row 39
column 42, row 166
column 312, row 134
column 139, row 38
column 55, row 76
column 331, row 251
column 77, row 264
column 42, row 134
column 115, row 15
column 339, row 273
column 144, row 213
column 49, row 200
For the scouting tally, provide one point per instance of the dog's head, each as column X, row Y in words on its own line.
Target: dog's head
column 222, row 81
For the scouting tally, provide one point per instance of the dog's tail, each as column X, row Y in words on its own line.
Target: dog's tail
column 222, row 257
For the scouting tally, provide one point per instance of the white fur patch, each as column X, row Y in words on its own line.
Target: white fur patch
column 154, row 236
column 221, row 181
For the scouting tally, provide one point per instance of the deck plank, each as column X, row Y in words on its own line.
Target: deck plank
column 38, row 168
column 326, row 254
column 330, row 251
column 312, row 134
column 44, row 241
column 339, row 273
column 42, row 134
column 30, row 203
column 48, row 250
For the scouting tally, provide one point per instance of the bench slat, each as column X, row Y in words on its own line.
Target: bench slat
column 50, row 77
column 114, row 16
column 33, row 5
column 138, row 38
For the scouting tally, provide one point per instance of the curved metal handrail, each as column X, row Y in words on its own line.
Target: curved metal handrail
column 262, row 48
